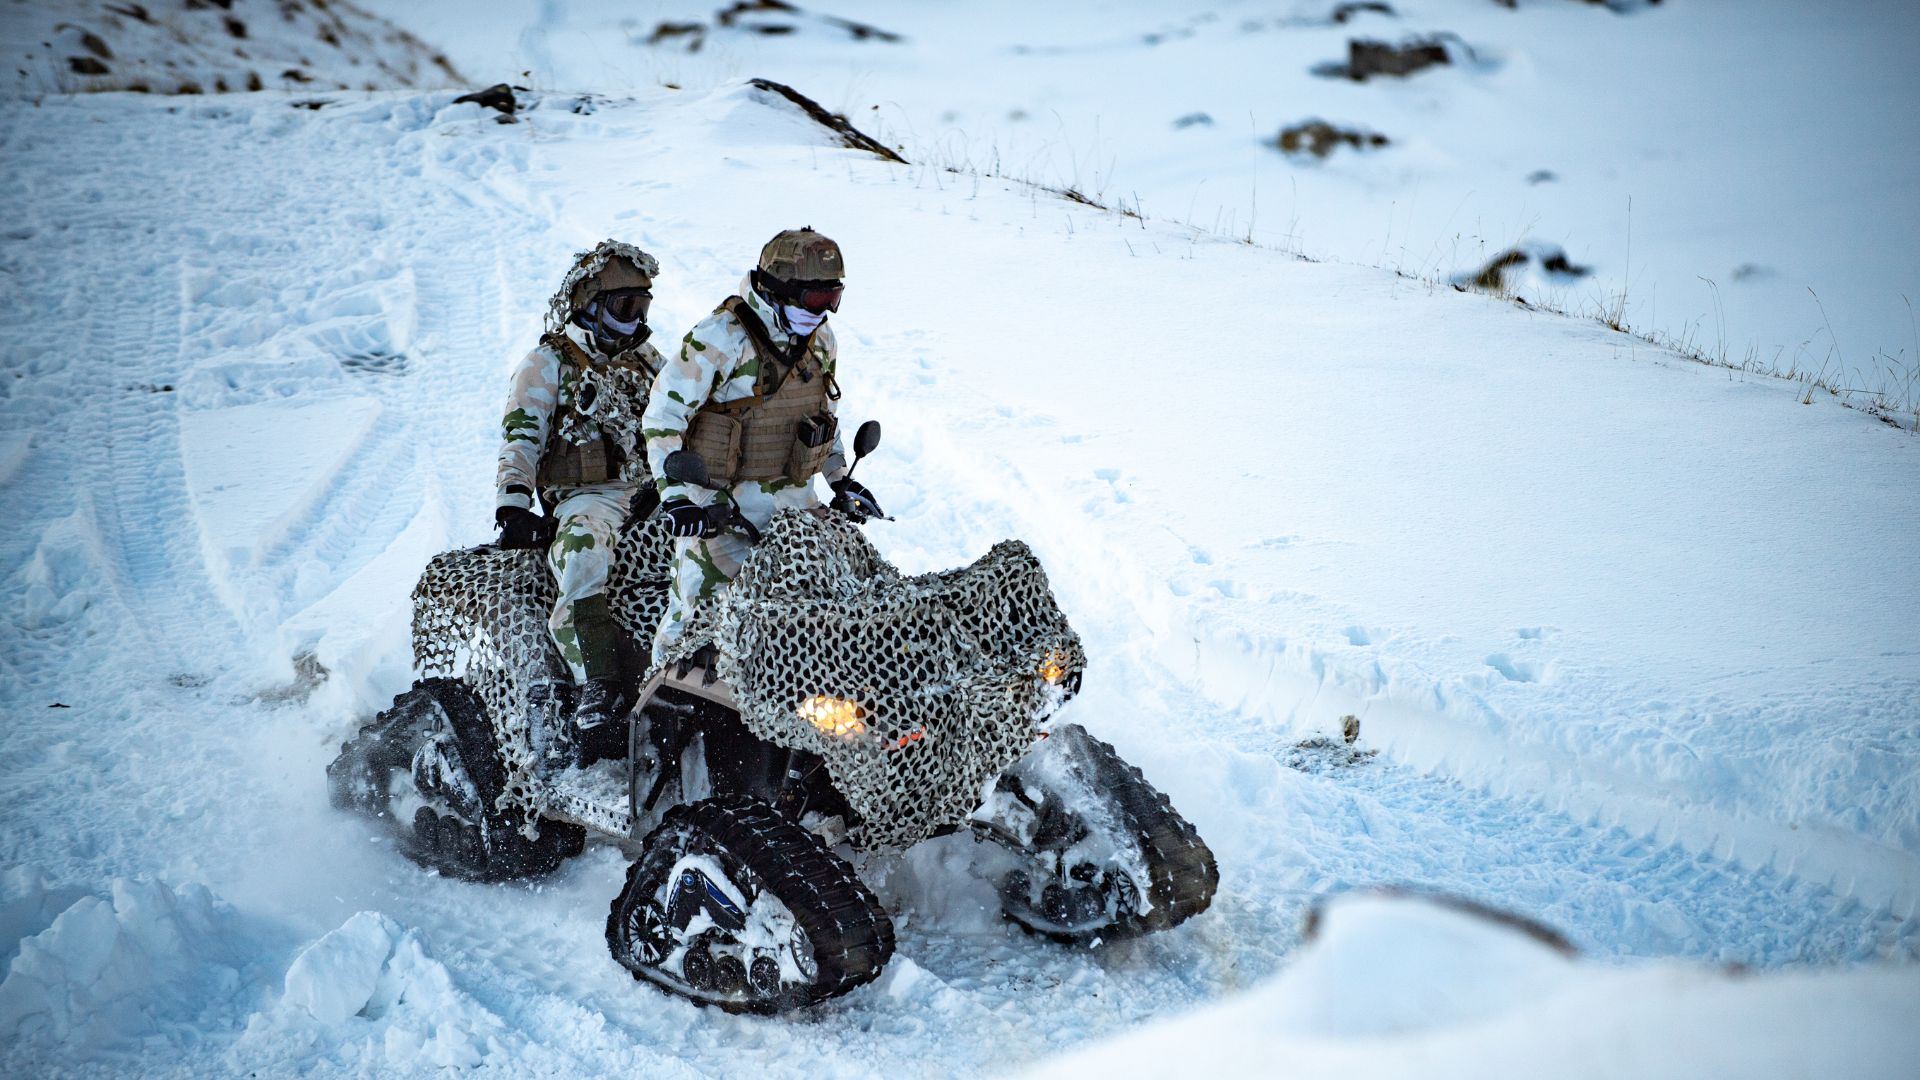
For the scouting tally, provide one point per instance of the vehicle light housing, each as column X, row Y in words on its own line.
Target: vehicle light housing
column 833, row 716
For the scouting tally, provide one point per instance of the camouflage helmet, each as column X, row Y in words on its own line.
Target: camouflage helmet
column 801, row 255
column 610, row 264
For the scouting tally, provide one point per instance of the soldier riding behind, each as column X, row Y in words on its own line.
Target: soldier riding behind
column 572, row 437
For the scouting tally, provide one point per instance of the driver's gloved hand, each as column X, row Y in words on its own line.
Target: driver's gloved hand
column 520, row 528
column 858, row 496
column 684, row 518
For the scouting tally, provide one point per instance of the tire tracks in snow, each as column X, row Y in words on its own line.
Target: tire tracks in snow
column 1617, row 889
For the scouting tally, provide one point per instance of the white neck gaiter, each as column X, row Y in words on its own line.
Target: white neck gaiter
column 802, row 321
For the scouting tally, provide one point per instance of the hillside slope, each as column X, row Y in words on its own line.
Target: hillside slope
column 1628, row 631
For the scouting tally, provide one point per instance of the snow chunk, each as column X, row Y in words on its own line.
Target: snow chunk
column 119, row 970
column 373, row 977
column 336, row 976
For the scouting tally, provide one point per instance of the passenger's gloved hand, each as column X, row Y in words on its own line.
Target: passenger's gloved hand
column 684, row 518
column 854, row 494
column 520, row 528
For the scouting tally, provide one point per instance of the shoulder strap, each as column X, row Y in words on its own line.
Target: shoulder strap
column 774, row 365
column 567, row 348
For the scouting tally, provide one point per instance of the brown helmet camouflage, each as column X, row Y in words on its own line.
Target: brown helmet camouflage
column 802, row 255
column 610, row 264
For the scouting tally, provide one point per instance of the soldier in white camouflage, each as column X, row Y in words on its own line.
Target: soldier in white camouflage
column 571, row 438
column 753, row 392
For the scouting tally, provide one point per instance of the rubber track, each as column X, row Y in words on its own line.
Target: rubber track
column 1181, row 871
column 851, row 935
column 492, row 849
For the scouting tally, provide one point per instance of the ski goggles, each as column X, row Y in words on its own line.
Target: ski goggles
column 626, row 305
column 818, row 297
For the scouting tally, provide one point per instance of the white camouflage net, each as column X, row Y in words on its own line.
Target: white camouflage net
column 481, row 615
column 941, row 679
column 922, row 688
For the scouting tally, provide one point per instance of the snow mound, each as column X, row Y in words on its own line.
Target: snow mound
column 368, row 995
column 89, row 45
column 1386, row 964
column 1466, row 993
column 142, row 963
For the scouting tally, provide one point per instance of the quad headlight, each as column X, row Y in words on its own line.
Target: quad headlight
column 833, row 716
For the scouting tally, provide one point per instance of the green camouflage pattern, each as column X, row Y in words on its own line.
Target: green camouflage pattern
column 581, row 558
column 543, row 404
column 718, row 363
column 802, row 255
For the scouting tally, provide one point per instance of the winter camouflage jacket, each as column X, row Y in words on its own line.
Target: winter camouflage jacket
column 717, row 363
column 553, row 398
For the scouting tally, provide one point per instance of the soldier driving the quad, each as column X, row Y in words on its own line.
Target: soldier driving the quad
column 753, row 393
column 571, row 435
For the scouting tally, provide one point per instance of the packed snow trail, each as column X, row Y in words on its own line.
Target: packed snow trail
column 246, row 441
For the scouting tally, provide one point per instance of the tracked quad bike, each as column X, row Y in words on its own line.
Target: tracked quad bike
column 823, row 710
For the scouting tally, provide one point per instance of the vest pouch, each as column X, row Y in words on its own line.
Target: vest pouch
column 715, row 436
column 569, row 464
column 812, row 443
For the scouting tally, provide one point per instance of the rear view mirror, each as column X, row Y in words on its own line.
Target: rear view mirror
column 865, row 439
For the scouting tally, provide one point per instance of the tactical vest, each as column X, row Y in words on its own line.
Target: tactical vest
column 783, row 431
column 565, row 463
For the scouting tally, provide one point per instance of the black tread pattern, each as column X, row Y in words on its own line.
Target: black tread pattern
column 490, row 848
column 849, row 931
column 1182, row 876
column 1180, row 867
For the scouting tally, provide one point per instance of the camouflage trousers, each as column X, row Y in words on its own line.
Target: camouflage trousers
column 581, row 557
column 702, row 565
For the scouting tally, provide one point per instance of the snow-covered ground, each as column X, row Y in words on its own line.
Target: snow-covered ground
column 1732, row 176
column 1633, row 636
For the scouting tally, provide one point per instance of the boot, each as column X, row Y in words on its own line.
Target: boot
column 598, row 714
column 598, row 733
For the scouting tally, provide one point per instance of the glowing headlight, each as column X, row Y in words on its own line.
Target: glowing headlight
column 833, row 716
column 1054, row 668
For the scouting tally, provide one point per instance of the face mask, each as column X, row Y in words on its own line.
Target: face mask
column 613, row 335
column 802, row 321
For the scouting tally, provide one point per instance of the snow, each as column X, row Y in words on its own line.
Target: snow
column 111, row 973
column 193, row 47
column 372, row 977
column 1399, row 987
column 1631, row 636
column 1730, row 173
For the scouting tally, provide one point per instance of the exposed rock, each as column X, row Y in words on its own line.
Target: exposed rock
column 1194, row 119
column 1367, row 58
column 498, row 97
column 1552, row 259
column 849, row 135
column 1347, row 11
column 1319, row 138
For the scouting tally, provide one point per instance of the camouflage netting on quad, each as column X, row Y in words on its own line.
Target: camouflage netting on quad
column 941, row 677
column 481, row 615
column 915, row 690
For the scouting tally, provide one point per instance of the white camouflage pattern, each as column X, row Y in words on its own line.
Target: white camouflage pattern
column 717, row 363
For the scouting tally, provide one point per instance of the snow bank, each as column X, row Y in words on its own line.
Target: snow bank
column 368, row 996
column 1395, row 987
column 70, row 46
column 147, row 963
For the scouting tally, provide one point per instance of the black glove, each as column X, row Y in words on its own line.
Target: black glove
column 520, row 529
column 852, row 495
column 684, row 518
